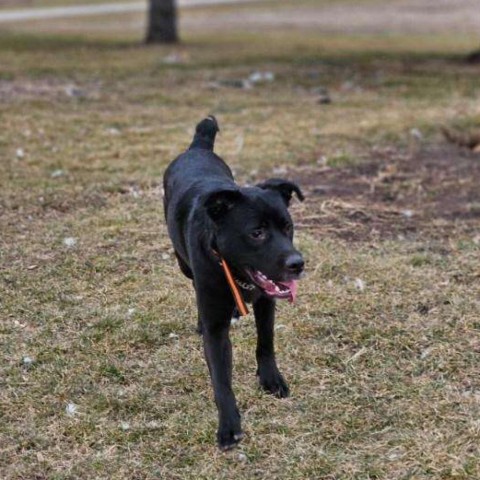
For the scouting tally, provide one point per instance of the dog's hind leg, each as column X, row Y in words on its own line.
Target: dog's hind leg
column 270, row 378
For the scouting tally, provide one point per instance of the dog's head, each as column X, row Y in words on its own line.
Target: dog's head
column 254, row 233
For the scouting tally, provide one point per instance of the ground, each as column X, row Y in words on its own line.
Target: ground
column 101, row 371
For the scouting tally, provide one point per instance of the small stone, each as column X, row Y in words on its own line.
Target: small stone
column 165, row 256
column 124, row 426
column 57, row 173
column 173, row 335
column 359, row 284
column 258, row 77
column 242, row 457
column 416, row 133
column 131, row 312
column 69, row 242
column 113, row 131
column 407, row 213
column 74, row 91
column 27, row 361
column 20, row 153
column 71, row 409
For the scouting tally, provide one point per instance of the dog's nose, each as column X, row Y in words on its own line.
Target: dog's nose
column 294, row 263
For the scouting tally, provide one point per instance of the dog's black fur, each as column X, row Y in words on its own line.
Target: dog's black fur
column 250, row 227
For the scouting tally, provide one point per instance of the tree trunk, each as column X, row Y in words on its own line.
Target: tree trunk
column 474, row 57
column 162, row 22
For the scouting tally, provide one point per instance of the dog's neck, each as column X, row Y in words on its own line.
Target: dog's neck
column 232, row 283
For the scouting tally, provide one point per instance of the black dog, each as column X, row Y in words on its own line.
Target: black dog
column 210, row 218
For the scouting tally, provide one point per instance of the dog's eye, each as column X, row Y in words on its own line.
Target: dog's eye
column 288, row 228
column 258, row 234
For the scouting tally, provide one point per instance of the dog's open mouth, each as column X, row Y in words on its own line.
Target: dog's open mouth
column 284, row 290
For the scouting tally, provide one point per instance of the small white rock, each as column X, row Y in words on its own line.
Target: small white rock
column 172, row 335
column 74, row 91
column 393, row 455
column 359, row 284
column 113, row 131
column 124, row 426
column 279, row 327
column 257, row 77
column 57, row 173
column 20, row 153
column 69, row 242
column 131, row 312
column 242, row 457
column 416, row 133
column 407, row 213
column 27, row 361
column 165, row 256
column 71, row 409
column 234, row 321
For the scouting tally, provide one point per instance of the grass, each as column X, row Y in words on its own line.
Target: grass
column 384, row 378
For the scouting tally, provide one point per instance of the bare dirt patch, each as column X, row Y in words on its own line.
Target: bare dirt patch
column 433, row 191
column 46, row 89
column 400, row 16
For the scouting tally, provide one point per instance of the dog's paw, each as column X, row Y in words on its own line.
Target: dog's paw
column 274, row 383
column 228, row 437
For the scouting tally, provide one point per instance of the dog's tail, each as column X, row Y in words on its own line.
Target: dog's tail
column 205, row 133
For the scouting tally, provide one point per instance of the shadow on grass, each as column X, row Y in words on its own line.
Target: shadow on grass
column 250, row 46
column 24, row 42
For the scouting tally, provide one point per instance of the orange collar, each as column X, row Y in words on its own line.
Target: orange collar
column 241, row 306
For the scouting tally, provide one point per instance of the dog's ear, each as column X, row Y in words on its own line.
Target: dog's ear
column 284, row 187
column 220, row 202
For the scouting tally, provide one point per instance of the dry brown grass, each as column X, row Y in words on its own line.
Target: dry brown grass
column 384, row 371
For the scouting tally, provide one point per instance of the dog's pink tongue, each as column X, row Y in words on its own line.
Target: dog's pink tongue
column 292, row 285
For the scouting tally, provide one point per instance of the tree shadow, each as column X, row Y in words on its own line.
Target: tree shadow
column 25, row 42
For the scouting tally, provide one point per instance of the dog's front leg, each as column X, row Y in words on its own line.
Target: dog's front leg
column 218, row 352
column 271, row 380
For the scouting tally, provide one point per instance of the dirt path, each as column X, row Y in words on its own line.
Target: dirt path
column 101, row 9
column 395, row 16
